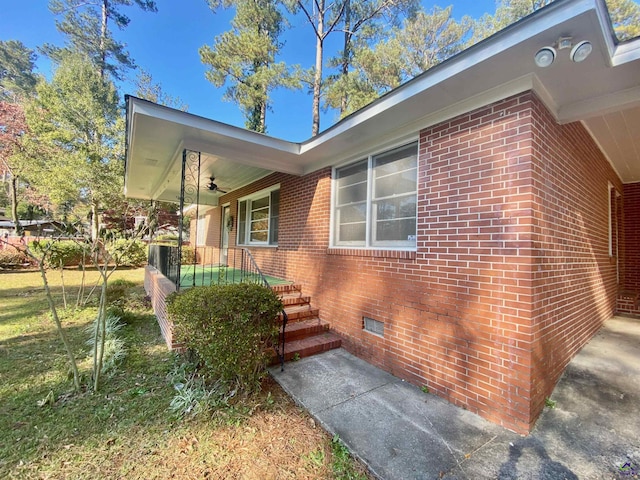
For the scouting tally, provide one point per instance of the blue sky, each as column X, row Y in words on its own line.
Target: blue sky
column 166, row 45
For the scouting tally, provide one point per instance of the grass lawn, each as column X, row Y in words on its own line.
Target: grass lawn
column 127, row 430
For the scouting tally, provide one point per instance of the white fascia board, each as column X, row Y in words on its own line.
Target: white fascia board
column 143, row 107
column 619, row 53
column 263, row 157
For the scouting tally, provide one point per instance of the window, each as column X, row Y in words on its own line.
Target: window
column 375, row 200
column 201, row 231
column 258, row 218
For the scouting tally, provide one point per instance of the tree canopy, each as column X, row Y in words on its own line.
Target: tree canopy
column 86, row 27
column 244, row 58
column 17, row 77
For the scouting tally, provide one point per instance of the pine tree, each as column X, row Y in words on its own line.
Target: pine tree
column 87, row 28
column 364, row 22
column 17, row 79
column 244, row 58
column 422, row 42
column 625, row 17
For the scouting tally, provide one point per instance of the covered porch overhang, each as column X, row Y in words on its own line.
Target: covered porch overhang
column 602, row 92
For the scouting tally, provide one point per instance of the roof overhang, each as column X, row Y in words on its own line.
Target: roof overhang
column 603, row 92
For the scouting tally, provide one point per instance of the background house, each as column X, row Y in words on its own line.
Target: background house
column 469, row 231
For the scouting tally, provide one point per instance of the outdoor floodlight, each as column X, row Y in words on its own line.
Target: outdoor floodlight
column 545, row 56
column 581, row 51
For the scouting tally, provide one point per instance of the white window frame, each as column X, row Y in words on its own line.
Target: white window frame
column 202, row 222
column 247, row 229
column 369, row 243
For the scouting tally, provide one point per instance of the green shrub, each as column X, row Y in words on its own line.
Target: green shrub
column 10, row 256
column 128, row 253
column 114, row 346
column 117, row 290
column 166, row 239
column 188, row 255
column 61, row 252
column 230, row 328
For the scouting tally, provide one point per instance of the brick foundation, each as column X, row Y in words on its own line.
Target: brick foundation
column 158, row 287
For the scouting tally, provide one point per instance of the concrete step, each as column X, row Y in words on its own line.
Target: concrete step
column 305, row 328
column 305, row 347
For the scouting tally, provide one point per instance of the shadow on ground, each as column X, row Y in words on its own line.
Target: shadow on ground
column 399, row 432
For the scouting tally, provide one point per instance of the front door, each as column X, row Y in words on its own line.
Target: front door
column 224, row 240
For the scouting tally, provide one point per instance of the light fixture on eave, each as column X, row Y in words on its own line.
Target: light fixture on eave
column 579, row 52
column 545, row 56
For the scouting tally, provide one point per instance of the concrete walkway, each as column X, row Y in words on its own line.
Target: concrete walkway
column 401, row 433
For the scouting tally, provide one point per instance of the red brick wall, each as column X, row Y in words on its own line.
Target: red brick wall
column 158, row 287
column 574, row 278
column 631, row 199
column 473, row 312
column 473, row 247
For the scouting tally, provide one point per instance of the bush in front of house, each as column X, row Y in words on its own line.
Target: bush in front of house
column 61, row 252
column 11, row 257
column 231, row 330
column 166, row 239
column 128, row 253
column 188, row 255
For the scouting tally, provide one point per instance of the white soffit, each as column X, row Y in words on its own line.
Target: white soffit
column 603, row 91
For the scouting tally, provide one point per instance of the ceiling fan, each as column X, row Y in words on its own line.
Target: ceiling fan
column 213, row 187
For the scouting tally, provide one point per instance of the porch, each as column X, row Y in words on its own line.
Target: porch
column 302, row 332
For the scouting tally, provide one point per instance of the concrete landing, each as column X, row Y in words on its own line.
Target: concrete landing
column 402, row 433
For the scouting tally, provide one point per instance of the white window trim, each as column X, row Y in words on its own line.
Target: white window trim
column 369, row 158
column 253, row 196
column 202, row 224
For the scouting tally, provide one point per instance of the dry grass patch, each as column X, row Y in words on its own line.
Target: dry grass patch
column 127, row 430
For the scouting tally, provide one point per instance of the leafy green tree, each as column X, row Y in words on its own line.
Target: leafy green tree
column 17, row 79
column 364, row 21
column 625, row 17
column 76, row 126
column 244, row 58
column 147, row 89
column 13, row 127
column 86, row 25
column 422, row 42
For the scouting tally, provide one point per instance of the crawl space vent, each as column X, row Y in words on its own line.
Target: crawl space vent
column 374, row 326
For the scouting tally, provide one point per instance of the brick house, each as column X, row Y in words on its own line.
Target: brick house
column 469, row 231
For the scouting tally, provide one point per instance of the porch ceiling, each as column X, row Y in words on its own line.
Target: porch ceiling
column 603, row 92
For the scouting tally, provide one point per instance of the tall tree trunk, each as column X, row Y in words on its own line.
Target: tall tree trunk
column 95, row 222
column 56, row 319
column 346, row 52
column 263, row 112
column 13, row 192
column 317, row 81
column 103, row 37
